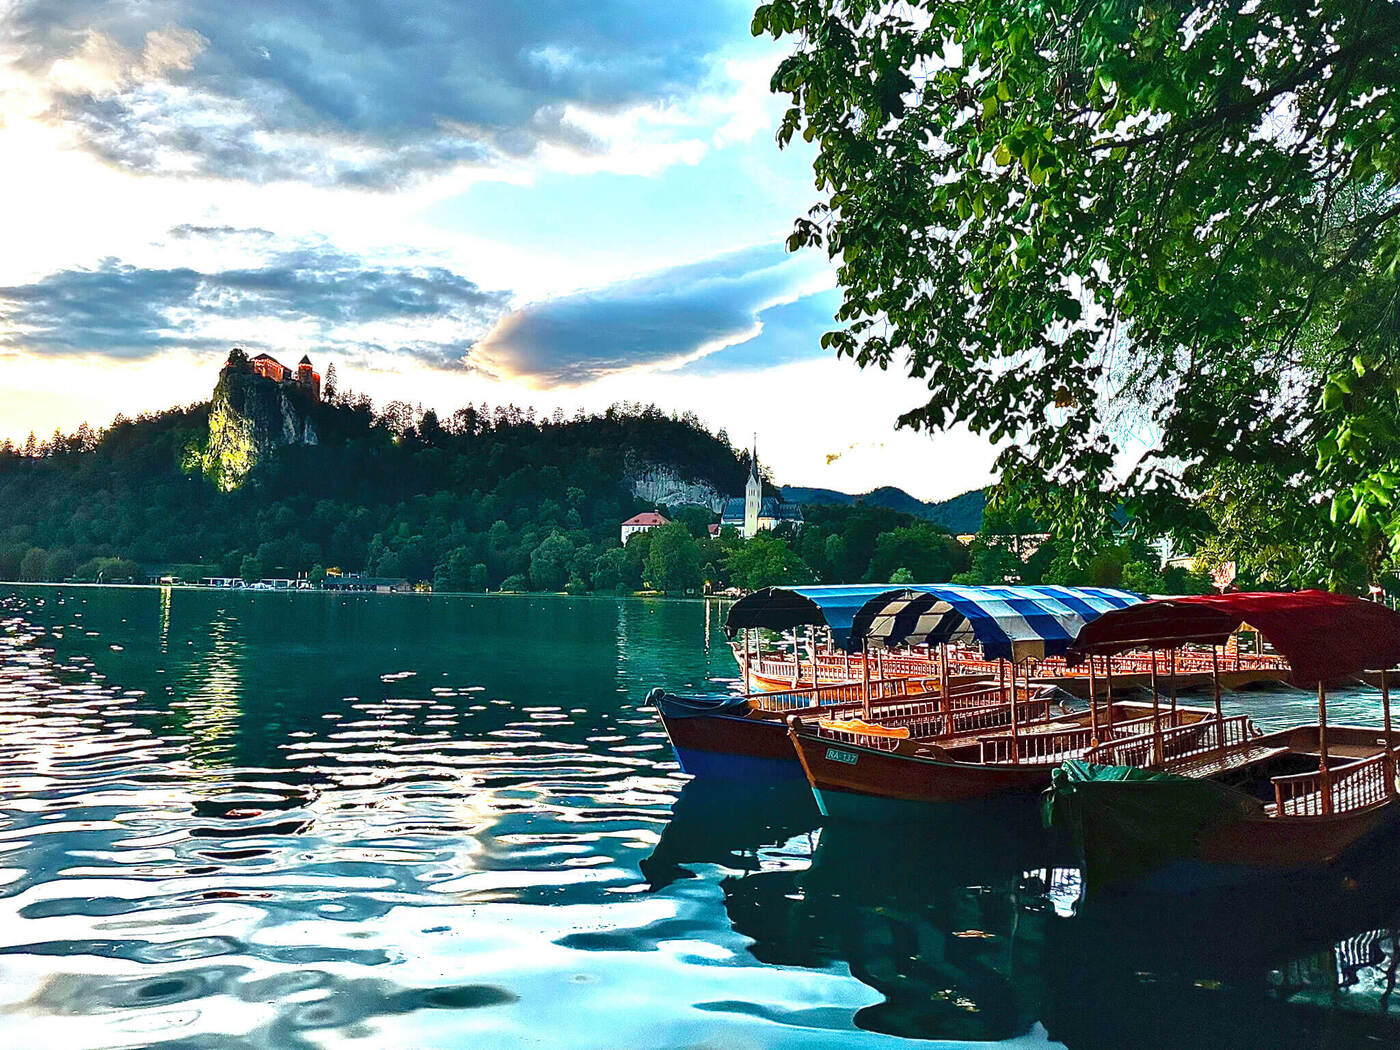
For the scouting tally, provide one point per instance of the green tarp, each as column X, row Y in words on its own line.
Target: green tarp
column 1124, row 821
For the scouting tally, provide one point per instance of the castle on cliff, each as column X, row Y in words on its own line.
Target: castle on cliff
column 305, row 377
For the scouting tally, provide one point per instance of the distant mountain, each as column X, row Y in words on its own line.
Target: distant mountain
column 958, row 515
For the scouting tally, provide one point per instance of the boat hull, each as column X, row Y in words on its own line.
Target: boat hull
column 1124, row 843
column 851, row 782
column 734, row 743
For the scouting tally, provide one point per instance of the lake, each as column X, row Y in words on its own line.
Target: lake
column 307, row 820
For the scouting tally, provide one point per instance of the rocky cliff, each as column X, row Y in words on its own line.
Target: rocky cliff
column 663, row 486
column 250, row 416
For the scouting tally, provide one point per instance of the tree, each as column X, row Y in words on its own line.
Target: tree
column 329, row 387
column 902, row 576
column 1085, row 225
column 931, row 555
column 35, row 561
column 765, row 560
column 549, row 563
column 251, row 569
column 673, row 559
column 61, row 564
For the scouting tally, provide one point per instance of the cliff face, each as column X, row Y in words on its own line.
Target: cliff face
column 250, row 416
column 662, row 485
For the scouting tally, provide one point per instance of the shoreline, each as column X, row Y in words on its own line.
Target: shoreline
column 253, row 591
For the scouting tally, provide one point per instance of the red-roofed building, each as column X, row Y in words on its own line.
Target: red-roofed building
column 641, row 522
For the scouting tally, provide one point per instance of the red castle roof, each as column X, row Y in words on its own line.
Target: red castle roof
column 649, row 517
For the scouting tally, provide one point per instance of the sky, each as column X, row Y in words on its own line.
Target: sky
column 558, row 204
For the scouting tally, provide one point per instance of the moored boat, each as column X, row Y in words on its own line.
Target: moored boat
column 858, row 777
column 746, row 736
column 1310, row 798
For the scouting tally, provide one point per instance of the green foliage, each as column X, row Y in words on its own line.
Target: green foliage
column 108, row 570
column 929, row 554
column 465, row 502
column 766, row 560
column 673, row 559
column 1082, row 223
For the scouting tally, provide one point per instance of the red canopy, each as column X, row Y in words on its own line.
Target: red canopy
column 1323, row 636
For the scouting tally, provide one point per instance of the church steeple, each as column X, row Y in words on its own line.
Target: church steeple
column 753, row 495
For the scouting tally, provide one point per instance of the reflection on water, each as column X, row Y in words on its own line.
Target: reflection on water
column 300, row 820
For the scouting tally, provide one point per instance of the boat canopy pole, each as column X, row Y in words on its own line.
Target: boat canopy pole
column 1015, row 747
column 1157, row 756
column 796, row 660
column 1389, row 740
column 943, row 676
column 1171, row 685
column 1108, row 676
column 1324, row 773
column 1093, row 705
column 865, row 668
column 1215, row 682
column 748, row 663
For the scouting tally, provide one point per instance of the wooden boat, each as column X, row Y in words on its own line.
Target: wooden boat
column 747, row 736
column 858, row 777
column 1308, row 798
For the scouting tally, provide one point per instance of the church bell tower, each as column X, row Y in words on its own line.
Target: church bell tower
column 753, row 496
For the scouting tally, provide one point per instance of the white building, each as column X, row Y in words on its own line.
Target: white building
column 641, row 523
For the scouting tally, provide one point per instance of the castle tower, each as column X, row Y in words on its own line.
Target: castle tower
column 308, row 378
column 753, row 496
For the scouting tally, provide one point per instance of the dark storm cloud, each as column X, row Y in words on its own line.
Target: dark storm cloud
column 649, row 321
column 367, row 93
column 125, row 311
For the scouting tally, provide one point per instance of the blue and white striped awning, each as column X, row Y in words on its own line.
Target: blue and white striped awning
column 1008, row 622
column 778, row 608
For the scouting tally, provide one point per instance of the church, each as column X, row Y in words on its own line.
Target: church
column 753, row 512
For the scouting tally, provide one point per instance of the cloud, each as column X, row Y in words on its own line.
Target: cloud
column 660, row 320
column 364, row 94
column 314, row 295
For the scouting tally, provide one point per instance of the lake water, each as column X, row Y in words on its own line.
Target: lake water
column 305, row 820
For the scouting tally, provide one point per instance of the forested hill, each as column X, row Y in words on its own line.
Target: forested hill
column 396, row 493
column 960, row 514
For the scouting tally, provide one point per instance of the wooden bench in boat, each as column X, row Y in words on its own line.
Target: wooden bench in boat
column 1214, row 764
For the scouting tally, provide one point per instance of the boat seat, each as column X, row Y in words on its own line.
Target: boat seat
column 1211, row 764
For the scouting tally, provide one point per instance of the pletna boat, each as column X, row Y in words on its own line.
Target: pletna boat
column 746, row 736
column 859, row 775
column 1311, row 798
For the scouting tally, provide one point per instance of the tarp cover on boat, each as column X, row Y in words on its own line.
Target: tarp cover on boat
column 1323, row 636
column 779, row 608
column 1133, row 820
column 1010, row 622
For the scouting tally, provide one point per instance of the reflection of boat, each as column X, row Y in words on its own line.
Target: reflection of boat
column 1232, row 971
column 719, row 822
column 936, row 923
column 1309, row 798
column 858, row 777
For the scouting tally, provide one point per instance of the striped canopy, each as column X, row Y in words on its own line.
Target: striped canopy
column 1010, row 622
column 778, row 608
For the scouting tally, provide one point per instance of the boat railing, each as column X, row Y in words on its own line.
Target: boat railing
column 1175, row 745
column 1051, row 747
column 940, row 723
column 837, row 693
column 1339, row 789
